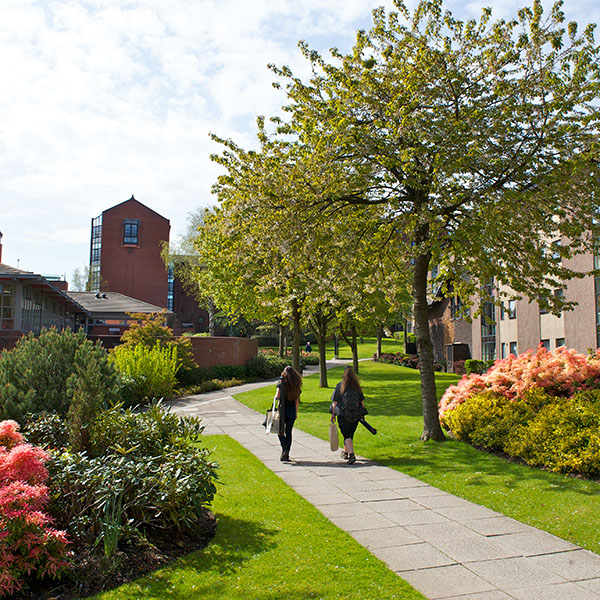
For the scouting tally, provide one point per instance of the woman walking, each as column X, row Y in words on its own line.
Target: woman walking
column 288, row 393
column 348, row 404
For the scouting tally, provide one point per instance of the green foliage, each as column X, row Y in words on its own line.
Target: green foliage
column 266, row 366
column 556, row 433
column 473, row 365
column 41, row 373
column 143, row 470
column 146, row 373
column 149, row 330
column 46, row 429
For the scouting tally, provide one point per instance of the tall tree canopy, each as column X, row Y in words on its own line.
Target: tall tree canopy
column 476, row 142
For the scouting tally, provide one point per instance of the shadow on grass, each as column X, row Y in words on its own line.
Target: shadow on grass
column 235, row 542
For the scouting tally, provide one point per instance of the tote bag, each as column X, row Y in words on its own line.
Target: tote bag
column 334, row 441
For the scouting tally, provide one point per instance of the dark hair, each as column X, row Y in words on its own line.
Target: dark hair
column 350, row 380
column 293, row 384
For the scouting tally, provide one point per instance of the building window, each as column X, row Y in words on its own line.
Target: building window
column 545, row 344
column 95, row 253
column 488, row 327
column 7, row 306
column 456, row 307
column 201, row 320
column 560, row 342
column 513, row 348
column 130, row 232
column 512, row 309
column 503, row 346
column 170, row 285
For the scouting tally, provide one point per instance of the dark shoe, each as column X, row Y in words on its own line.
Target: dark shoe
column 345, row 456
column 285, row 457
column 351, row 459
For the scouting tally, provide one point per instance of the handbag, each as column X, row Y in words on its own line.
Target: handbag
column 271, row 422
column 334, row 440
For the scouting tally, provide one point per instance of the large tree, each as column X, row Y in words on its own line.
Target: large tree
column 476, row 141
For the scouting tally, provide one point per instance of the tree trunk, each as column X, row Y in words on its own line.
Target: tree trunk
column 296, row 336
column 379, row 338
column 351, row 341
column 319, row 327
column 281, row 340
column 431, row 423
column 405, row 325
column 211, row 318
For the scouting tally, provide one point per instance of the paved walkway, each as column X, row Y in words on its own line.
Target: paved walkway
column 445, row 546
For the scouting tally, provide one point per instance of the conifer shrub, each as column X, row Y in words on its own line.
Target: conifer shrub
column 40, row 373
column 29, row 545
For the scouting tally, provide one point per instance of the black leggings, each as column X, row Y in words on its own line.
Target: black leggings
column 286, row 440
column 347, row 428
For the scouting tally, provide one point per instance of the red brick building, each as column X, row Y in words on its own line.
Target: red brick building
column 125, row 257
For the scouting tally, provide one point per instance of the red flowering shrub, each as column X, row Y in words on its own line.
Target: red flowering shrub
column 561, row 372
column 28, row 543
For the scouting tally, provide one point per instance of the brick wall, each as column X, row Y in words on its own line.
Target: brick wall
column 215, row 351
column 136, row 271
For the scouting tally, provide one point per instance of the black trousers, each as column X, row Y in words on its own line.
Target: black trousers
column 286, row 439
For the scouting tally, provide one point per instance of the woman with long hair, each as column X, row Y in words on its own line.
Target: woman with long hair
column 348, row 404
column 288, row 393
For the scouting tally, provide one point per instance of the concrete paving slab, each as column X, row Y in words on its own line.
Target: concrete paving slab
column 324, row 499
column 393, row 506
column 467, row 512
column 497, row 526
column 573, row 566
column 493, row 595
column 385, row 538
column 416, row 517
column 460, row 543
column 446, row 582
column 372, row 495
column 362, row 522
column 514, row 573
column 593, row 585
column 412, row 556
column 345, row 510
column 535, row 542
column 443, row 501
column 562, row 591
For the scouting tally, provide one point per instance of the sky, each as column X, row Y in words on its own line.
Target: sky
column 105, row 99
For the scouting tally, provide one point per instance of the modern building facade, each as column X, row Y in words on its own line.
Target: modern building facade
column 520, row 325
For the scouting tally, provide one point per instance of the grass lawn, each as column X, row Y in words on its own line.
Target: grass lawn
column 270, row 544
column 565, row 506
column 365, row 350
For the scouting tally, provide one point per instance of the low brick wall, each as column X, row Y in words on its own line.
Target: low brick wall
column 216, row 351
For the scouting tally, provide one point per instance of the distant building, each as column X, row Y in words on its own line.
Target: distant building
column 29, row 303
column 519, row 325
column 125, row 257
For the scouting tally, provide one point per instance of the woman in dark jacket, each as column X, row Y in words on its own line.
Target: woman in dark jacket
column 288, row 393
column 348, row 404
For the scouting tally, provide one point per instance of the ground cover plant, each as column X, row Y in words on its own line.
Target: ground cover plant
column 260, row 551
column 562, row 505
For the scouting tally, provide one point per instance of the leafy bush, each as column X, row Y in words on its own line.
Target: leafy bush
column 28, row 542
column 144, row 470
column 266, row 366
column 47, row 430
column 458, row 367
column 266, row 340
column 40, row 374
column 556, row 433
column 145, row 373
column 149, row 330
column 561, row 372
column 473, row 365
column 405, row 360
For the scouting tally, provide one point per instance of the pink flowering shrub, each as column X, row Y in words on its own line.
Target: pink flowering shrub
column 561, row 372
column 28, row 543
